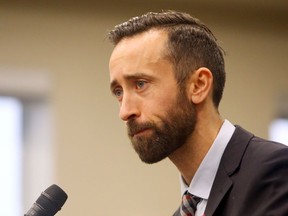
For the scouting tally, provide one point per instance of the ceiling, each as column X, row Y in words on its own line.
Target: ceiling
column 260, row 4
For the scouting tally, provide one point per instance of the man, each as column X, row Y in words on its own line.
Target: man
column 167, row 72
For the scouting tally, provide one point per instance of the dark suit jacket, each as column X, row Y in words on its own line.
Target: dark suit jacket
column 252, row 179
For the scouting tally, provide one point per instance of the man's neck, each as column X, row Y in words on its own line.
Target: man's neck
column 189, row 156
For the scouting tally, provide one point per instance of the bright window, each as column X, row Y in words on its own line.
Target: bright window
column 10, row 156
column 279, row 131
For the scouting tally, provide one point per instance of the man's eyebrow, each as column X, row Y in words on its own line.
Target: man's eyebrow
column 130, row 77
column 113, row 84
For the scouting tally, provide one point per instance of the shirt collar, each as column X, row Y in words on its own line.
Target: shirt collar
column 203, row 179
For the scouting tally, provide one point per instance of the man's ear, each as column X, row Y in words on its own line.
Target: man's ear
column 200, row 85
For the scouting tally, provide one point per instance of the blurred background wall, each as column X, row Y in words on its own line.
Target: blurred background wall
column 54, row 59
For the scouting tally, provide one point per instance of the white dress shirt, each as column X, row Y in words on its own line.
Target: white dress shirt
column 203, row 179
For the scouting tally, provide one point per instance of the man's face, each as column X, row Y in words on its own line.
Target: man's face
column 159, row 117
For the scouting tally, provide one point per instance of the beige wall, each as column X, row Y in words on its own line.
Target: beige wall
column 95, row 164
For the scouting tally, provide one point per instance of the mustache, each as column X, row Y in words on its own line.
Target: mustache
column 134, row 127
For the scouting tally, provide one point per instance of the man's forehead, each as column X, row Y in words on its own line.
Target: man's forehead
column 137, row 54
column 147, row 45
column 150, row 34
column 153, row 36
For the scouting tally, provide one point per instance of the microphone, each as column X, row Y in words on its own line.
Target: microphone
column 49, row 202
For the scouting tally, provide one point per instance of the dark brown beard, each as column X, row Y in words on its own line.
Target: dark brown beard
column 173, row 131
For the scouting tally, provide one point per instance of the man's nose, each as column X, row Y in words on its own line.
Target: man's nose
column 129, row 107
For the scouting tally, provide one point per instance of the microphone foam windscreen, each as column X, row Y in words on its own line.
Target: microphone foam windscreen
column 52, row 199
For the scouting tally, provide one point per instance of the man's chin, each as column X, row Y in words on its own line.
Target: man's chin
column 149, row 160
column 149, row 157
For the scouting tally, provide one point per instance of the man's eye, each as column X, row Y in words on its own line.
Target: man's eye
column 118, row 93
column 140, row 84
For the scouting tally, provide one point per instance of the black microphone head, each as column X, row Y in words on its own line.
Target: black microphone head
column 49, row 202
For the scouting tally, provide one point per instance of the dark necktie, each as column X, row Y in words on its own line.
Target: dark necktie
column 189, row 203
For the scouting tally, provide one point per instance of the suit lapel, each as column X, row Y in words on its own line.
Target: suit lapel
column 219, row 189
column 177, row 212
column 229, row 163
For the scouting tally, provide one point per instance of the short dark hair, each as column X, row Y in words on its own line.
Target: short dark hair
column 191, row 44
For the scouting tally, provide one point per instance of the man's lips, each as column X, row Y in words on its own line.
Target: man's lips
column 138, row 132
column 137, row 129
column 141, row 132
